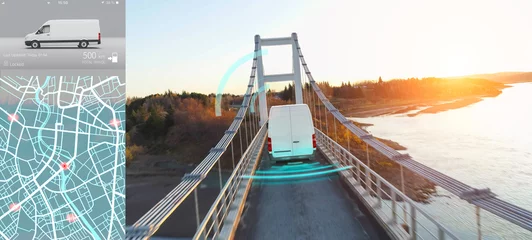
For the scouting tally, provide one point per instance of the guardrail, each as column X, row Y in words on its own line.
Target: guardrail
column 372, row 187
column 148, row 224
column 480, row 198
column 215, row 217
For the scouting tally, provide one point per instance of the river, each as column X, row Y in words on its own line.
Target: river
column 487, row 144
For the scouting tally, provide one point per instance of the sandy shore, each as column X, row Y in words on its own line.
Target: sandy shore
column 412, row 109
column 448, row 106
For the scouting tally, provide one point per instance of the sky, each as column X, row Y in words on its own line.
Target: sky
column 189, row 45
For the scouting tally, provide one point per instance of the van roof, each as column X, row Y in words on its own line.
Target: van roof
column 73, row 20
column 289, row 105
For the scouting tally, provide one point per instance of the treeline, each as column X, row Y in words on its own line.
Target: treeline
column 346, row 90
column 175, row 123
column 411, row 88
column 185, row 123
column 415, row 88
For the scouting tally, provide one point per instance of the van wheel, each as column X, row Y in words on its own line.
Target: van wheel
column 35, row 44
column 83, row 44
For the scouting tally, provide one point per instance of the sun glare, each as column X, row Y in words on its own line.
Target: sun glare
column 455, row 66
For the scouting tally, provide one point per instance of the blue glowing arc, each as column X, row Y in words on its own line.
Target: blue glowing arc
column 261, row 89
column 301, row 175
column 305, row 165
column 300, row 170
column 228, row 73
column 294, row 181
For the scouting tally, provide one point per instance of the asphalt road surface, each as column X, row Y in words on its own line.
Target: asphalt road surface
column 314, row 207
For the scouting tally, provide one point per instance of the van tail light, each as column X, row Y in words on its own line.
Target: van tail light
column 314, row 140
column 269, row 144
column 99, row 36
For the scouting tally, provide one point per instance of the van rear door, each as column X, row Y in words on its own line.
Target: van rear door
column 302, row 130
column 279, row 132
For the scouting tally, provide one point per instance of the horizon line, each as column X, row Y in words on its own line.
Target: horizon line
column 389, row 79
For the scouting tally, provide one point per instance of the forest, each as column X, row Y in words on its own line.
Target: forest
column 172, row 123
column 185, row 124
column 403, row 89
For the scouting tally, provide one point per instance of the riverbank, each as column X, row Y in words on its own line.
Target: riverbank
column 412, row 109
column 448, row 106
column 415, row 186
column 457, row 144
column 363, row 109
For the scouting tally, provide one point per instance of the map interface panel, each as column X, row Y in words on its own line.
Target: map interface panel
column 62, row 119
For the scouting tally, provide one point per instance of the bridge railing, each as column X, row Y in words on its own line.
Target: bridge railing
column 213, row 221
column 245, row 127
column 480, row 198
column 381, row 193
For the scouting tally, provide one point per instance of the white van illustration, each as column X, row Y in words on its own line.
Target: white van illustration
column 80, row 31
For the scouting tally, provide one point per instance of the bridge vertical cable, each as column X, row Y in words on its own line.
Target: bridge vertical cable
column 150, row 222
column 483, row 198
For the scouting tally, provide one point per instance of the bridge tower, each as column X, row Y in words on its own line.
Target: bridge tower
column 294, row 76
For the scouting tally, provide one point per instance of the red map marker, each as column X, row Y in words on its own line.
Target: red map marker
column 64, row 166
column 12, row 117
column 115, row 122
column 71, row 217
column 14, row 207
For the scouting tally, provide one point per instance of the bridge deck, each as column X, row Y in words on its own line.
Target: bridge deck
column 311, row 208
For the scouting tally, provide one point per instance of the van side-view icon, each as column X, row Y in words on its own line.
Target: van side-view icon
column 82, row 32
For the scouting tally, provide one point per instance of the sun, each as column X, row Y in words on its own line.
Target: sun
column 456, row 65
column 458, row 60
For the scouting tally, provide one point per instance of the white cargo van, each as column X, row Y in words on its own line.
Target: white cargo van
column 291, row 133
column 62, row 32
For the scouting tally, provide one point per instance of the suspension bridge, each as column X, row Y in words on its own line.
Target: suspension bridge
column 339, row 197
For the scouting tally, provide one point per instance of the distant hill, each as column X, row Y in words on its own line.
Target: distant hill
column 504, row 77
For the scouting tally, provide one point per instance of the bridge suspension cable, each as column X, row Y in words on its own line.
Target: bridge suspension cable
column 245, row 121
column 482, row 198
column 223, row 207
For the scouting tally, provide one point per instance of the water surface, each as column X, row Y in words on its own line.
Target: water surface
column 486, row 144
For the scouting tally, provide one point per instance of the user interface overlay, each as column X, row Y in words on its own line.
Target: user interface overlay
column 62, row 119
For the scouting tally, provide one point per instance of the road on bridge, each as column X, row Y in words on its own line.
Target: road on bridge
column 317, row 207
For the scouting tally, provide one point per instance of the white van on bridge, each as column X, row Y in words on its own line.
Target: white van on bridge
column 291, row 133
